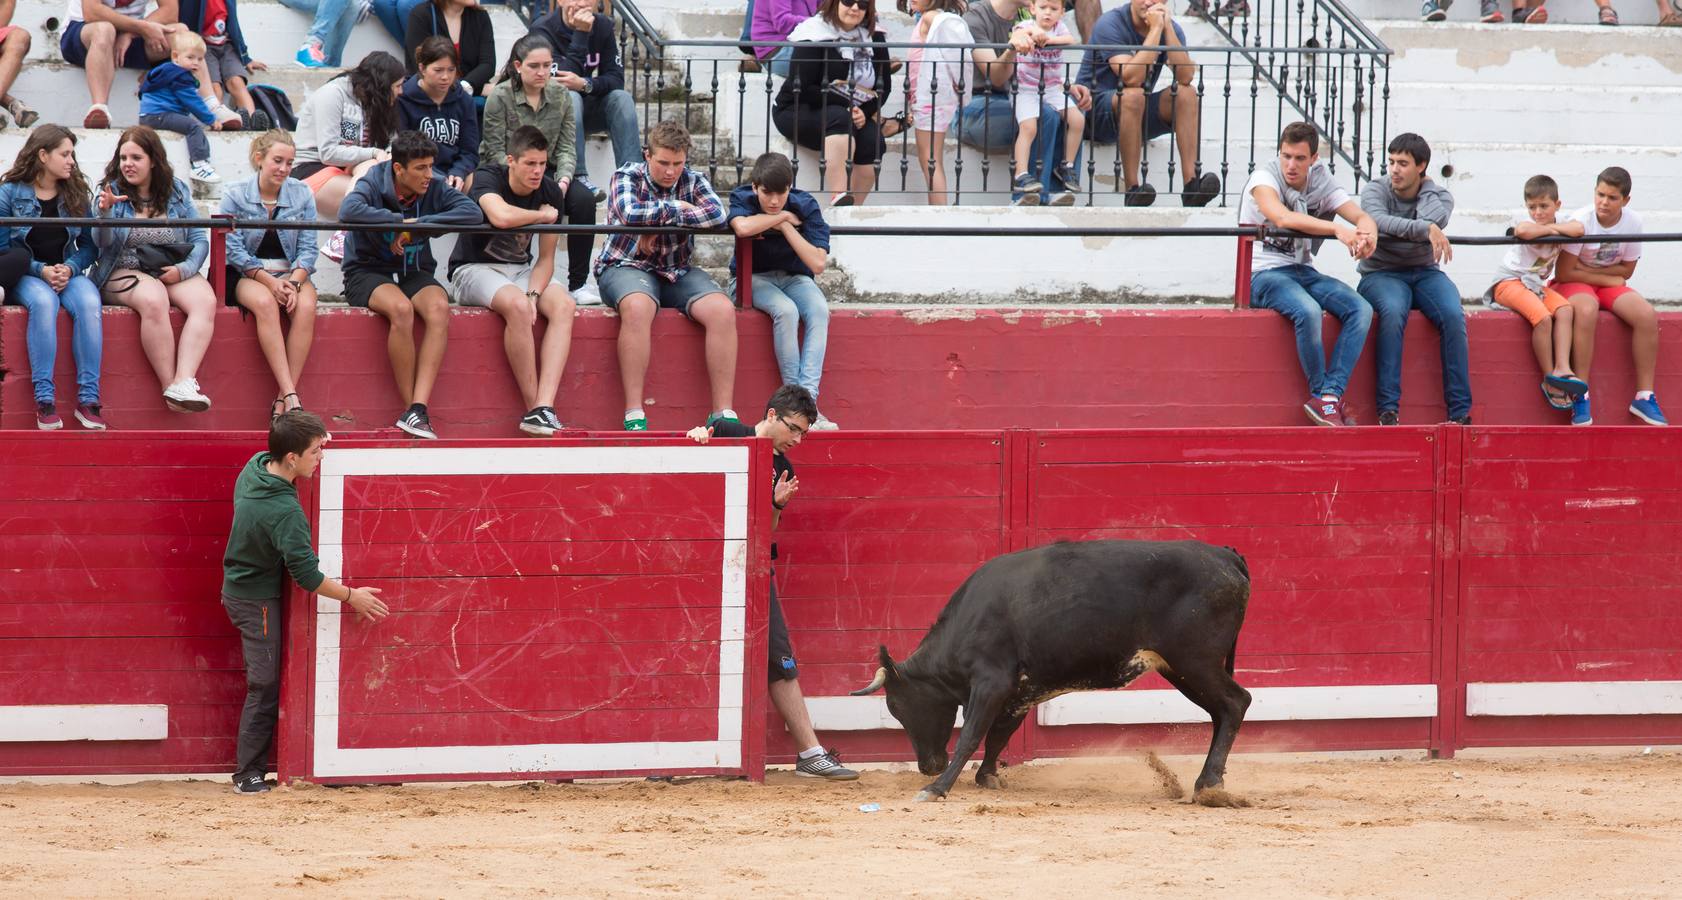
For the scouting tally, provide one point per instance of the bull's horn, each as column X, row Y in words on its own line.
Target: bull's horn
column 875, row 683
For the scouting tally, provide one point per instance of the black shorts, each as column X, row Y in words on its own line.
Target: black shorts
column 781, row 666
column 360, row 284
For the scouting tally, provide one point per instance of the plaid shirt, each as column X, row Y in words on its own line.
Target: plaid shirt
column 634, row 199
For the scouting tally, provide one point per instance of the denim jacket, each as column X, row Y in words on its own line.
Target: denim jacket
column 111, row 238
column 17, row 198
column 243, row 201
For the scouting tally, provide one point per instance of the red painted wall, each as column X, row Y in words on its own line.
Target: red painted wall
column 893, row 369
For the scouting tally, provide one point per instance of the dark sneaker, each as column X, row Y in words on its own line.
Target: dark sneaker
column 723, row 415
column 416, row 423
column 595, row 192
column 540, row 422
column 1460, row 420
column 1433, row 11
column 1025, row 190
column 252, row 784
column 1648, row 411
column 1200, row 190
column 1068, row 176
column 1140, row 195
column 825, row 765
column 1389, row 417
column 47, row 419
column 1324, row 412
column 260, row 121
column 1234, row 9
column 88, row 415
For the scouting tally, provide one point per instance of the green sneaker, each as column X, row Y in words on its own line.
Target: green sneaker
column 725, row 415
column 640, row 423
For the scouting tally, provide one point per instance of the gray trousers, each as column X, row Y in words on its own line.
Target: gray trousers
column 260, row 632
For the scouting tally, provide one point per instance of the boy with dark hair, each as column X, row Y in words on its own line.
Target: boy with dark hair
column 1600, row 269
column 270, row 538
column 1521, row 285
column 498, row 270
column 1402, row 275
column 790, row 249
column 392, row 272
column 789, row 415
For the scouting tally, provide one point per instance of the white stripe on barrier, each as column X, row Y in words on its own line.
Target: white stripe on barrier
column 1574, row 698
column 1276, row 704
column 535, row 461
column 868, row 713
column 350, row 763
column 91, row 722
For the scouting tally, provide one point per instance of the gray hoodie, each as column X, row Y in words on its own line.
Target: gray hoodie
column 331, row 129
column 1404, row 226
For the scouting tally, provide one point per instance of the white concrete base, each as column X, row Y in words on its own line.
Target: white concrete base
column 1575, row 698
column 94, row 722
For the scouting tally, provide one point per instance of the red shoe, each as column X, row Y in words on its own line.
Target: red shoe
column 88, row 415
column 1326, row 412
column 46, row 417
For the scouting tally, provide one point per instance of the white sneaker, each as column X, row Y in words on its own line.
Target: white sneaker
column 222, row 113
column 587, row 296
column 184, row 396
column 334, row 249
column 824, row 424
column 204, row 174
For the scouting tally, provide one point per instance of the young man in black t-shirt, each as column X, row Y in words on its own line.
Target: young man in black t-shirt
column 789, row 415
column 498, row 271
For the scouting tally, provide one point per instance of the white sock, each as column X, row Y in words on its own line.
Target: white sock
column 1643, row 395
column 810, row 752
column 635, row 414
column 1328, row 396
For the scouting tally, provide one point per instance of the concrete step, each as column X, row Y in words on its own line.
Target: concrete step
column 1632, row 13
column 1557, row 114
column 1577, row 55
column 66, row 85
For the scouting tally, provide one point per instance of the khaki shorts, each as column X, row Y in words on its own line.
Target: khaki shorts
column 474, row 284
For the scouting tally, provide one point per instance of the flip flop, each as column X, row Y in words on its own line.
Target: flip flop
column 1570, row 384
column 1554, row 399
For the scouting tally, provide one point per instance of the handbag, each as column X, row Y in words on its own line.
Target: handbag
column 155, row 258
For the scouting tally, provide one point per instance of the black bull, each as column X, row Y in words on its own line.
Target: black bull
column 1028, row 626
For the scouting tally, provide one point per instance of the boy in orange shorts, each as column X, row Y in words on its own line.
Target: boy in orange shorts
column 1600, row 266
column 1521, row 285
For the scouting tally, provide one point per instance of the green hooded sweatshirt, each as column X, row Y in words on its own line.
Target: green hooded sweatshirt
column 270, row 532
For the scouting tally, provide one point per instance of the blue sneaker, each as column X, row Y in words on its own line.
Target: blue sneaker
column 1434, row 10
column 1580, row 414
column 312, row 55
column 1648, row 411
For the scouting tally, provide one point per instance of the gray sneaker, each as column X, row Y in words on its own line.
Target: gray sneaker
column 825, row 765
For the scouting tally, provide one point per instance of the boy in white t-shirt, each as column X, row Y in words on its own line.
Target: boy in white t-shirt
column 1039, row 82
column 1296, row 192
column 1601, row 269
column 1521, row 285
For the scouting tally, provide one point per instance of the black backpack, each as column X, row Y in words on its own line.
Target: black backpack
column 273, row 101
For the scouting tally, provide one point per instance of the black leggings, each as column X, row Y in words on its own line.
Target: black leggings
column 809, row 125
column 579, row 209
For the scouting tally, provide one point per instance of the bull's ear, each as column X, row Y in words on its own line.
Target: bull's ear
column 887, row 662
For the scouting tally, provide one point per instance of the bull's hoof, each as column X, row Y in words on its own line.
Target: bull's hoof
column 1218, row 797
column 991, row 782
column 926, row 796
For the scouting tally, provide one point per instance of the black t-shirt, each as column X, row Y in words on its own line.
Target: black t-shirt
column 507, row 247
column 779, row 462
column 48, row 242
column 270, row 247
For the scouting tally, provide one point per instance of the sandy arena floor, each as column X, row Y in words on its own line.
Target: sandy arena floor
column 1561, row 825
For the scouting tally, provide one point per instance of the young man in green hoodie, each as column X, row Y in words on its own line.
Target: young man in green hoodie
column 269, row 538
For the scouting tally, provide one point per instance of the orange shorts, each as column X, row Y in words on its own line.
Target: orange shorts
column 1515, row 296
column 1606, row 295
column 321, row 177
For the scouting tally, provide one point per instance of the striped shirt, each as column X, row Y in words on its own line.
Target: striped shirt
column 635, row 199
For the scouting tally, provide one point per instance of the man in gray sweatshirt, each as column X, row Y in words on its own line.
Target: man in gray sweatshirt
column 1402, row 275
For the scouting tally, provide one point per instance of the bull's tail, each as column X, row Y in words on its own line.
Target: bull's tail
column 1243, row 570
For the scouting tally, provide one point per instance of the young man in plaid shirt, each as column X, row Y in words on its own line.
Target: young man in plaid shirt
column 640, row 274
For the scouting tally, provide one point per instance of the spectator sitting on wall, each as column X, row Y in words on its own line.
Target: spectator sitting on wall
column 393, row 272
column 790, row 248
column 269, row 269
column 1402, row 275
column 988, row 122
column 143, row 266
column 641, row 274
column 343, row 132
column 1127, row 112
column 1296, row 192
column 467, row 28
column 46, row 267
column 14, row 47
column 498, row 271
column 587, row 64
column 270, row 539
column 1521, row 285
column 435, row 104
column 1600, row 267
column 101, row 34
column 227, row 62
column 789, row 415
column 832, row 99
column 936, row 84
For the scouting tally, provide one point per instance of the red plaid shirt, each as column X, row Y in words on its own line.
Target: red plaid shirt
column 635, row 199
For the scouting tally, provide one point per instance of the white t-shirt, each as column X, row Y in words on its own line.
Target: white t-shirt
column 1320, row 197
column 1535, row 260
column 1600, row 254
column 134, row 9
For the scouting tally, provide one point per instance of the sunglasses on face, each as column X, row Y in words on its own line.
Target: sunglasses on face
column 856, row 4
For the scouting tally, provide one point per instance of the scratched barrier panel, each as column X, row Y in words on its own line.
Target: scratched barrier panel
column 1338, row 530
column 569, row 609
column 115, row 654
column 1571, row 591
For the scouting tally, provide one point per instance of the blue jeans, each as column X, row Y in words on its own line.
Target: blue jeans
column 81, row 300
column 1393, row 294
column 988, row 123
column 333, row 20
column 790, row 300
column 1302, row 295
column 394, row 15
column 615, row 112
column 198, row 146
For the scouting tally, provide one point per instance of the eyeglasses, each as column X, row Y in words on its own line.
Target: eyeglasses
column 856, row 4
column 798, row 431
